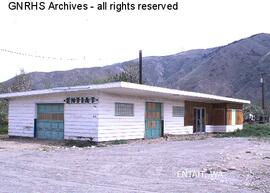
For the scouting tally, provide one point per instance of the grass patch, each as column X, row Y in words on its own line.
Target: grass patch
column 257, row 130
column 3, row 130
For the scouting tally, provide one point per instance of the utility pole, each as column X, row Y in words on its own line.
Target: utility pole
column 140, row 67
column 262, row 85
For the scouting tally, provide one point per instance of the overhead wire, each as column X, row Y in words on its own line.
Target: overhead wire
column 36, row 56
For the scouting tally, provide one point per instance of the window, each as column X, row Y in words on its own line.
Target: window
column 178, row 111
column 124, row 109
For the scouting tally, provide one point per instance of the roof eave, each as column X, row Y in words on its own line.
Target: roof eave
column 123, row 85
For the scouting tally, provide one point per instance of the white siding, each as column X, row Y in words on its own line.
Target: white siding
column 222, row 128
column 99, row 121
column 111, row 127
column 174, row 125
column 80, row 119
column 21, row 118
column 215, row 128
column 231, row 128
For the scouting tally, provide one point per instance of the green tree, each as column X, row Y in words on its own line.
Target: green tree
column 101, row 81
column 252, row 109
column 21, row 82
column 3, row 113
column 129, row 73
column 3, row 107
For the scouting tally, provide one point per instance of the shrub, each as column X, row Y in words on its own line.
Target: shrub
column 256, row 130
column 3, row 130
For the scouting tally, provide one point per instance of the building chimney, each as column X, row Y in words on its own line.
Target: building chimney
column 140, row 67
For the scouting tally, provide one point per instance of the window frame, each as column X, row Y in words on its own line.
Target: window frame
column 182, row 111
column 117, row 113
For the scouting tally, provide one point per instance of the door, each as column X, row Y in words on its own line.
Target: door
column 199, row 120
column 153, row 120
column 50, row 121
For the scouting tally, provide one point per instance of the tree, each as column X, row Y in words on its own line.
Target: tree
column 130, row 73
column 101, row 80
column 252, row 109
column 3, row 88
column 21, row 83
column 267, row 109
column 3, row 108
column 3, row 113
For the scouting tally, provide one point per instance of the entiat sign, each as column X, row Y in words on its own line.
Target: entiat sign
column 81, row 100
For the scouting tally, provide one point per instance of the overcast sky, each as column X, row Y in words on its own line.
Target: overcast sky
column 75, row 39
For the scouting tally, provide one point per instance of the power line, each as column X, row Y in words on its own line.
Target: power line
column 37, row 56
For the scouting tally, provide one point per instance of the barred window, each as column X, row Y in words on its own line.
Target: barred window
column 178, row 111
column 124, row 109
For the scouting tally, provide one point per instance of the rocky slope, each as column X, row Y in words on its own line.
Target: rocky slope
column 231, row 70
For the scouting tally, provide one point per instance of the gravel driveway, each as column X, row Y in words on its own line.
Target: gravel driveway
column 209, row 165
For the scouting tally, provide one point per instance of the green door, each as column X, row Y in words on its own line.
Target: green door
column 153, row 120
column 50, row 121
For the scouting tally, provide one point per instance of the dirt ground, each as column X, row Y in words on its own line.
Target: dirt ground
column 208, row 165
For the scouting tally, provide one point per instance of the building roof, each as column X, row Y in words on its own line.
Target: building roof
column 130, row 89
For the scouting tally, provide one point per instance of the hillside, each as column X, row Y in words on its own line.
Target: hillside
column 231, row 70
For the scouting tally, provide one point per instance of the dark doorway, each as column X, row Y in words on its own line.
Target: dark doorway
column 199, row 120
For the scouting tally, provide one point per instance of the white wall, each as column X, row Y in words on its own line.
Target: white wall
column 215, row 128
column 174, row 125
column 80, row 119
column 231, row 128
column 97, row 121
column 21, row 118
column 222, row 128
column 111, row 127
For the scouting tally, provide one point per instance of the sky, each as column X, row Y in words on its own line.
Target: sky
column 78, row 39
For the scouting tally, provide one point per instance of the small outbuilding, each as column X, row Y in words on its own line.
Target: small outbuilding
column 119, row 111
